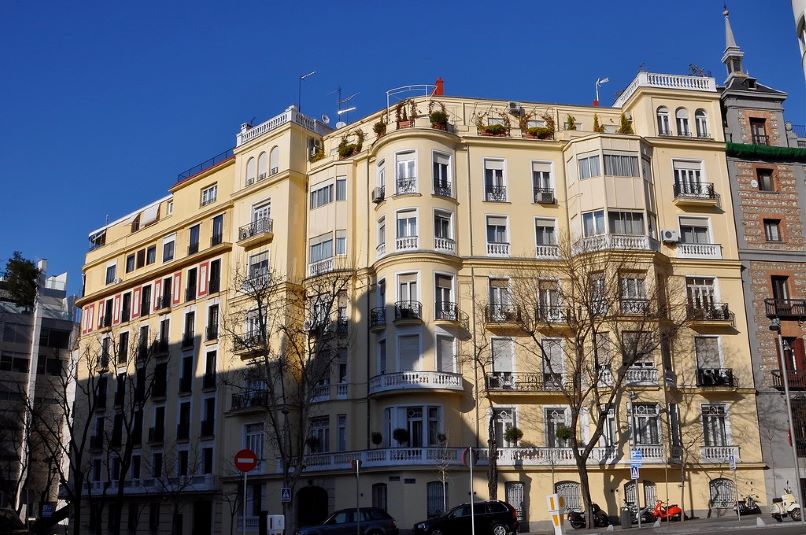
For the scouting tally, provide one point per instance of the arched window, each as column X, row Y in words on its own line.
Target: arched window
column 629, row 492
column 650, row 493
column 436, row 496
column 379, row 496
column 701, row 120
column 274, row 160
column 663, row 121
column 682, row 122
column 723, row 493
column 250, row 171
column 570, row 492
column 262, row 163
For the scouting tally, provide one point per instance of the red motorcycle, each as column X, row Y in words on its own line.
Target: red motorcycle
column 672, row 512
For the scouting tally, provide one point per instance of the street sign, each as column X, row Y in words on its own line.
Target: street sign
column 245, row 460
column 469, row 454
column 732, row 461
column 636, row 456
column 356, row 464
column 285, row 495
column 634, row 471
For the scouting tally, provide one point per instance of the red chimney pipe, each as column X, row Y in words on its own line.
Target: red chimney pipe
column 595, row 103
column 440, row 89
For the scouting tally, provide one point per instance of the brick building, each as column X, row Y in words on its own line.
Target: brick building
column 766, row 170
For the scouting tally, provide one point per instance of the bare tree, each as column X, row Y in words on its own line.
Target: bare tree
column 175, row 477
column 293, row 335
column 233, row 498
column 591, row 322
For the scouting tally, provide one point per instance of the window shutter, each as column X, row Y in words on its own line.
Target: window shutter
column 116, row 310
column 177, row 287
column 442, row 159
column 136, row 303
column 445, row 357
column 444, row 281
column 202, row 285
column 541, row 167
column 499, row 283
column 494, row 164
column 693, row 222
column 503, row 355
column 497, row 221
column 157, row 297
column 409, row 347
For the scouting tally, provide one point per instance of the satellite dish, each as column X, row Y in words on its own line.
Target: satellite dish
column 341, row 124
column 325, row 119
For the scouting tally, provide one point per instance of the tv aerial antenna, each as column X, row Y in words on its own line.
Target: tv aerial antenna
column 343, row 111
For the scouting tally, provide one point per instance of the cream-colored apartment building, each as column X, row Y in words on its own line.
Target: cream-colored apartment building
column 428, row 221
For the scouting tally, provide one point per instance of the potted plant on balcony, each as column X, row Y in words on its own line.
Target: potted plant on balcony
column 347, row 149
column 376, row 438
column 401, row 436
column 317, row 155
column 380, row 127
column 513, row 435
column 563, row 432
column 405, row 113
column 626, row 126
column 439, row 117
column 570, row 122
column 539, row 132
column 597, row 127
column 497, row 129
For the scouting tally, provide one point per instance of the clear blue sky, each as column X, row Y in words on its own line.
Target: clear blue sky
column 103, row 103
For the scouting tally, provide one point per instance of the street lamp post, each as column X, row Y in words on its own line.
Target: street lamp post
column 776, row 326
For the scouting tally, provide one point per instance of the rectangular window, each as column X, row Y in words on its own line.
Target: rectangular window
column 758, row 131
column 258, row 265
column 621, row 165
column 254, row 438
column 707, row 352
column 407, row 224
column 555, row 418
column 321, row 196
column 168, row 245
column 714, row 425
column 646, row 422
column 688, row 178
column 207, row 460
column 151, row 254
column 442, row 180
column 545, row 232
column 407, row 287
column 218, row 230
column 406, row 165
column 694, row 230
column 589, row 167
column 626, row 223
column 772, row 229
column 382, row 174
column 342, row 432
column 593, row 223
column 319, row 435
column 780, row 288
column 765, row 180
column 442, row 225
column 503, row 354
column 341, row 189
column 321, row 248
column 145, row 302
column 495, row 188
column 446, row 359
column 381, row 232
column 541, row 182
column 193, row 240
column 381, row 357
column 129, row 263
column 208, row 195
column 496, row 229
column 141, row 258
column 409, row 348
column 341, row 242
column 111, row 273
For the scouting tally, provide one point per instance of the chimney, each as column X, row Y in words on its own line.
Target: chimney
column 440, row 89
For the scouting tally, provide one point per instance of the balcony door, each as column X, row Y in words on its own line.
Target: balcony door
column 694, row 230
column 687, row 177
column 444, row 287
column 556, row 418
column 407, row 287
column 261, row 213
column 500, row 296
column 408, row 347
column 700, row 292
column 646, row 424
column 714, row 425
column 503, row 351
column 504, row 419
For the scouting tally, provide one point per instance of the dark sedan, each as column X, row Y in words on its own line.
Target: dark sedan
column 345, row 522
column 491, row 518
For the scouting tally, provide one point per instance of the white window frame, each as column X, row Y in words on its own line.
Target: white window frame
column 504, row 178
column 449, row 214
column 418, row 364
column 506, row 229
column 209, row 194
column 415, row 188
column 448, row 171
column 380, row 179
column 341, row 180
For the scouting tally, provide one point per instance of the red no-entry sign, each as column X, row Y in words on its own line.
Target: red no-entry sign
column 245, row 460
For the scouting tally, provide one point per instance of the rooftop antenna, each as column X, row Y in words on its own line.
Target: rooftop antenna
column 599, row 83
column 340, row 102
column 299, row 89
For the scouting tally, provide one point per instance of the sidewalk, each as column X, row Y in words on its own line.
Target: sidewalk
column 700, row 525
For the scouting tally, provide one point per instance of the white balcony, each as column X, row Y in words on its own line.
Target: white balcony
column 320, row 267
column 546, row 456
column 341, row 391
column 326, row 392
column 445, row 245
column 719, row 454
column 497, row 249
column 252, row 524
column 407, row 243
column 547, row 251
column 634, row 376
column 649, row 454
column 197, row 483
column 699, row 250
column 416, row 380
column 290, row 115
column 382, row 457
column 666, row 81
column 622, row 242
column 380, row 249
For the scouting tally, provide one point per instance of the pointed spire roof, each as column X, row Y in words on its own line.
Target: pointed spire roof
column 732, row 58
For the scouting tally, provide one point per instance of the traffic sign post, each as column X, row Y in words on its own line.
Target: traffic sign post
column 245, row 461
column 469, row 458
column 636, row 460
column 732, row 463
column 356, row 463
column 285, row 495
column 634, row 471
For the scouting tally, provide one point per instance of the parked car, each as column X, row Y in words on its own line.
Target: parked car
column 492, row 518
column 10, row 523
column 374, row 521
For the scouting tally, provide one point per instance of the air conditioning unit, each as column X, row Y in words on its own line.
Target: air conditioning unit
column 546, row 197
column 670, row 236
column 274, row 170
column 377, row 194
column 117, row 281
column 515, row 108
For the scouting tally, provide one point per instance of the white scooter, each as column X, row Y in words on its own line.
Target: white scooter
column 786, row 505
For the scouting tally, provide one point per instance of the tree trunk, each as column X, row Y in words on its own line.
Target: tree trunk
column 75, row 527
column 584, row 483
column 492, row 467
column 683, row 488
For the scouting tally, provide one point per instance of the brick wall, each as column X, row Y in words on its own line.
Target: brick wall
column 774, row 126
column 757, row 205
column 760, row 273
